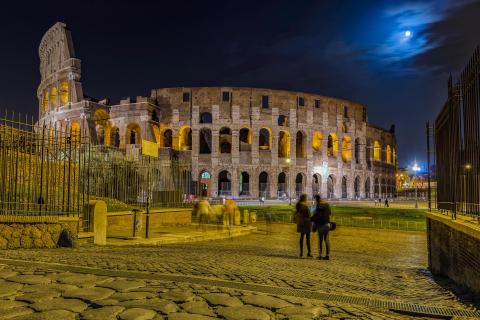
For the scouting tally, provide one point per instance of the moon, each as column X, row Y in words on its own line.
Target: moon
column 407, row 34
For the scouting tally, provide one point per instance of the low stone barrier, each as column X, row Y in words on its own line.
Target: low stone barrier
column 454, row 250
column 34, row 231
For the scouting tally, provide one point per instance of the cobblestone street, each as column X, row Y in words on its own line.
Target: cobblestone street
column 371, row 274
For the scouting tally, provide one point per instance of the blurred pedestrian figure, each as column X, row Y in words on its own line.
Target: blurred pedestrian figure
column 386, row 203
column 268, row 222
column 321, row 221
column 304, row 225
column 375, row 202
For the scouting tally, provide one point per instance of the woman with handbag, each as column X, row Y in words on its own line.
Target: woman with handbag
column 322, row 224
column 304, row 225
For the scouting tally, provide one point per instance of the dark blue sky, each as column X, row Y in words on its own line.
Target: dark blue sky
column 355, row 50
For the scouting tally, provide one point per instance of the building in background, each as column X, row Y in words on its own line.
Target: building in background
column 241, row 142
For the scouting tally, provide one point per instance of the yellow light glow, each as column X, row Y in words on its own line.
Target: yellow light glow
column 64, row 93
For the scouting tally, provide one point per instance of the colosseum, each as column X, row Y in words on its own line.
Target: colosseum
column 239, row 142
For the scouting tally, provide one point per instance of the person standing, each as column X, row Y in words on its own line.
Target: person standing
column 304, row 225
column 321, row 220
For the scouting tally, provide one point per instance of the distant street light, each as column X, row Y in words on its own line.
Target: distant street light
column 415, row 169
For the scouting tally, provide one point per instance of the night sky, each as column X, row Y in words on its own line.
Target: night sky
column 356, row 50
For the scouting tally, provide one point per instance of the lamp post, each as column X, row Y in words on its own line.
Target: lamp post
column 288, row 161
column 467, row 168
column 415, row 169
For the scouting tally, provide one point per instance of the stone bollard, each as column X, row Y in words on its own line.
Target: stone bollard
column 98, row 212
column 253, row 217
column 237, row 217
column 246, row 217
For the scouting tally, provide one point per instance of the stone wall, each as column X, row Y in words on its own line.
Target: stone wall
column 15, row 235
column 454, row 250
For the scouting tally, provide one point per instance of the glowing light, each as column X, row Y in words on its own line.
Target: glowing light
column 415, row 167
column 407, row 34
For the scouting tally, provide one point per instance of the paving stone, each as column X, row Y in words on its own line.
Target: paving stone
column 14, row 312
column 104, row 313
column 123, row 285
column 50, row 315
column 177, row 296
column 29, row 279
column 9, row 288
column 222, row 299
column 7, row 304
column 136, row 295
column 188, row 316
column 74, row 305
column 137, row 314
column 198, row 307
column 89, row 294
column 313, row 311
column 105, row 302
column 81, row 280
column 265, row 301
column 160, row 305
column 7, row 274
column 244, row 313
column 38, row 296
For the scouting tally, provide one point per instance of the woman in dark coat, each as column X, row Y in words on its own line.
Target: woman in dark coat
column 304, row 225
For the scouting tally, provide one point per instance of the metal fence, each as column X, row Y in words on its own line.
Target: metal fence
column 457, row 141
column 40, row 167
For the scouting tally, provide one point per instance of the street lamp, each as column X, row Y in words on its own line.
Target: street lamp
column 288, row 161
column 467, row 167
column 415, row 169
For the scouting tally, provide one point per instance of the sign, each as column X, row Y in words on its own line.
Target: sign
column 149, row 148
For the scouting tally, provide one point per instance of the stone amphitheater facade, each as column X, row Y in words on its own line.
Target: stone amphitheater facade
column 240, row 142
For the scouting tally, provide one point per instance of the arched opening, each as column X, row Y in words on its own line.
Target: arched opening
column 316, row 184
column 282, row 121
column 284, row 144
column 115, row 137
column 317, row 141
column 357, row 151
column 389, row 154
column 245, row 136
column 102, row 126
column 206, row 117
column 205, row 184
column 53, row 96
column 282, row 186
column 224, row 183
column 133, row 134
column 344, row 188
column 356, row 188
column 384, row 187
column 100, row 135
column 155, row 117
column 244, row 184
column 264, row 139
column 64, row 96
column 346, row 149
column 205, row 141
column 367, row 188
column 45, row 101
column 376, row 188
column 299, row 184
column 263, row 185
column 185, row 138
column 332, row 145
column 225, row 140
column 75, row 132
column 331, row 187
column 376, row 151
column 300, row 145
column 368, row 153
column 167, row 138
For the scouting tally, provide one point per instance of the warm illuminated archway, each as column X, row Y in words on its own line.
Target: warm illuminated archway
column 283, row 144
column 265, row 139
column 245, row 139
column 75, row 132
column 317, row 141
column 332, row 145
column 64, row 93
column 53, row 96
column 114, row 137
column 102, row 126
column 185, row 138
column 389, row 154
column 346, row 149
column 377, row 150
column 45, row 101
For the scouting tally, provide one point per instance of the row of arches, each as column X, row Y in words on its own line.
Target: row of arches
column 53, row 96
column 381, row 188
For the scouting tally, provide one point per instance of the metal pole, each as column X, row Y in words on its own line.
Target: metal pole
column 147, row 221
column 428, row 168
column 416, row 193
